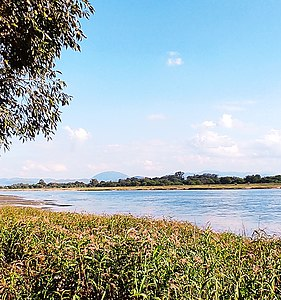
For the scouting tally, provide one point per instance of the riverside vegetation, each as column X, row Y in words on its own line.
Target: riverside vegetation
column 177, row 180
column 51, row 255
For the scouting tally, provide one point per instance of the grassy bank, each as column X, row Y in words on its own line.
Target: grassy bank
column 157, row 187
column 188, row 187
column 47, row 255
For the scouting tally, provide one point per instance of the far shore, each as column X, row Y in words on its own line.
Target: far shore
column 187, row 187
column 145, row 188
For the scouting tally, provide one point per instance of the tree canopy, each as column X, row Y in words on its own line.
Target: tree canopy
column 178, row 179
column 32, row 36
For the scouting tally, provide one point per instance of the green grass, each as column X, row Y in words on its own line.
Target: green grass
column 48, row 255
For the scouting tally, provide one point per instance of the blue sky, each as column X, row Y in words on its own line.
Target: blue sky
column 162, row 86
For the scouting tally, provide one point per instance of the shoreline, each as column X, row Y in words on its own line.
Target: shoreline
column 164, row 188
column 186, row 187
column 13, row 200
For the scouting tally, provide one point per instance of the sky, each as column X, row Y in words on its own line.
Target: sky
column 166, row 86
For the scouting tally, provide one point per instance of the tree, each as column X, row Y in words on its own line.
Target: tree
column 41, row 183
column 253, row 178
column 179, row 175
column 32, row 36
column 93, row 182
column 226, row 180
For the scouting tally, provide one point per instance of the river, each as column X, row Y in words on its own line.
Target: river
column 239, row 211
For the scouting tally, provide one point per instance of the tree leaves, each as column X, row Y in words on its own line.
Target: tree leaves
column 32, row 35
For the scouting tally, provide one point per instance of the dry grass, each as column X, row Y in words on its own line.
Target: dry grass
column 190, row 187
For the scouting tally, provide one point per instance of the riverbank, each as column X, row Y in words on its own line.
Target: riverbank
column 190, row 187
column 74, row 256
column 18, row 201
column 165, row 187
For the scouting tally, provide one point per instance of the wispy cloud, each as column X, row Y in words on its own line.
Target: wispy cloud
column 79, row 134
column 234, row 106
column 43, row 167
column 208, row 124
column 174, row 59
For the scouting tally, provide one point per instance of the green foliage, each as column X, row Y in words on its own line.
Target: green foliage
column 177, row 179
column 253, row 178
column 47, row 255
column 32, row 35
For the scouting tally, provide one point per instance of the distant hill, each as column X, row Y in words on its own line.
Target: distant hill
column 11, row 181
column 110, row 176
column 104, row 176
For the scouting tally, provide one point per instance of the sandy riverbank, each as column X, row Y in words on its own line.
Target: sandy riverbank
column 18, row 201
column 166, row 187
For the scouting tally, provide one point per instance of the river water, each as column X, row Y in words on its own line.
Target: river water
column 239, row 211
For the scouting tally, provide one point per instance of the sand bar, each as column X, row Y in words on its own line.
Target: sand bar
column 18, row 201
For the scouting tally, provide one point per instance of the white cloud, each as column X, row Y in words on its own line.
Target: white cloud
column 231, row 151
column 264, row 152
column 208, row 124
column 205, row 125
column 47, row 167
column 272, row 139
column 269, row 145
column 174, row 59
column 79, row 134
column 156, row 117
column 211, row 139
column 211, row 142
column 227, row 121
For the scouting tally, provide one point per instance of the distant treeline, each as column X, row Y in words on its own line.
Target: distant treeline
column 177, row 179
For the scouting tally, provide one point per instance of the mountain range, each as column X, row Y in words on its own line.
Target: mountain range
column 110, row 176
column 104, row 176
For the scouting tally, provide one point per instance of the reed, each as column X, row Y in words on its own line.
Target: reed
column 50, row 255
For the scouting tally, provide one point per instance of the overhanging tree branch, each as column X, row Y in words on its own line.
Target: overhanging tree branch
column 32, row 35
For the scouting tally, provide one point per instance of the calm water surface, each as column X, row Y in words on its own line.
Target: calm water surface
column 240, row 211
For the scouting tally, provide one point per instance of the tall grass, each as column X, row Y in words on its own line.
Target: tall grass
column 48, row 255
